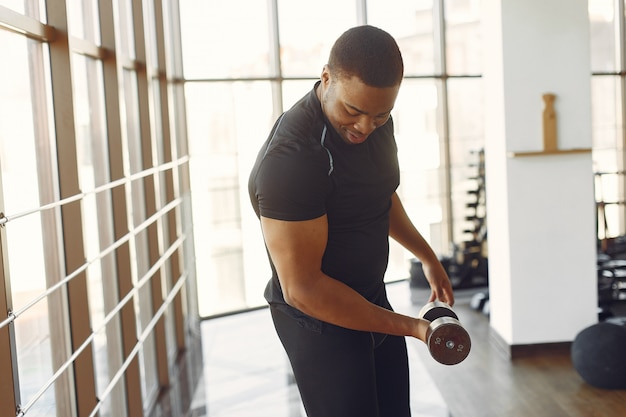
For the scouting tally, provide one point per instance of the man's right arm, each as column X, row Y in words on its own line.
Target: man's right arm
column 296, row 249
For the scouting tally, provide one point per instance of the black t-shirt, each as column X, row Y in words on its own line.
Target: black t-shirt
column 305, row 170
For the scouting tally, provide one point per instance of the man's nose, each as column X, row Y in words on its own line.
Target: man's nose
column 366, row 125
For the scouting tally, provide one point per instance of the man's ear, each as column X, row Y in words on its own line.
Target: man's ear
column 325, row 77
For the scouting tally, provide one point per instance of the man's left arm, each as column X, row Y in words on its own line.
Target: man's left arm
column 402, row 230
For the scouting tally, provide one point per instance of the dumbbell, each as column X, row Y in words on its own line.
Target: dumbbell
column 448, row 342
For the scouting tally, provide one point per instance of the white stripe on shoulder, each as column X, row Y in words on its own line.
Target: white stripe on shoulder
column 280, row 120
column 330, row 156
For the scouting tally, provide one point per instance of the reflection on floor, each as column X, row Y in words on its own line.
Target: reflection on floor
column 246, row 373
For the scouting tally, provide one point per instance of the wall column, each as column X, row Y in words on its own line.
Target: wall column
column 542, row 230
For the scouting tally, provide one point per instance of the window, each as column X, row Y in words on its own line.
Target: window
column 607, row 88
column 233, row 99
column 95, row 241
column 438, row 118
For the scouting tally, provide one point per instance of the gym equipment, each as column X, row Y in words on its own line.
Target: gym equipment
column 598, row 355
column 611, row 265
column 467, row 266
column 487, row 308
column 479, row 300
column 418, row 277
column 470, row 256
column 611, row 286
column 447, row 340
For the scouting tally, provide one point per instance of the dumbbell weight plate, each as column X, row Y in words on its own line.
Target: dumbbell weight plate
column 436, row 309
column 448, row 342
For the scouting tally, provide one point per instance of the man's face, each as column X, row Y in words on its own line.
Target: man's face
column 353, row 108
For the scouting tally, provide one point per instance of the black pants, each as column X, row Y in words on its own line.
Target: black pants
column 346, row 373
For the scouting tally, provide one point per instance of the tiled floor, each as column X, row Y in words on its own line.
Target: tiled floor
column 246, row 373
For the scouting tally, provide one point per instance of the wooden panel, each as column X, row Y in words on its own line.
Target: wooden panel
column 71, row 215
column 123, row 273
column 129, row 330
column 146, row 101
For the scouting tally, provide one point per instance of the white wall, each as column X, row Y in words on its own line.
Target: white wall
column 541, row 208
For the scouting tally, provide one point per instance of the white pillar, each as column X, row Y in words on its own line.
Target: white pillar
column 542, row 248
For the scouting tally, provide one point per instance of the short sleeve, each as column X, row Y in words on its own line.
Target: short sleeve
column 292, row 184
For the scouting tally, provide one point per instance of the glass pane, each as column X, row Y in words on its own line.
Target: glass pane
column 410, row 22
column 134, row 155
column 224, row 39
column 415, row 120
column 150, row 34
column 32, row 8
column 16, row 6
column 147, row 354
column 17, row 136
column 608, row 153
column 32, row 328
column 294, row 91
column 157, row 126
column 107, row 344
column 607, row 126
column 603, row 31
column 141, row 262
column 133, row 132
column 83, row 22
column 614, row 214
column 125, row 29
column 91, row 143
column 224, row 138
column 463, row 40
column 179, row 129
column 25, row 241
column 465, row 118
column 171, row 33
column 304, row 45
column 466, row 131
column 145, row 311
column 170, row 334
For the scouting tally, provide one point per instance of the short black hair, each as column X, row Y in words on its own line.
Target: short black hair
column 369, row 53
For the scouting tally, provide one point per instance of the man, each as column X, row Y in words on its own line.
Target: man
column 323, row 187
